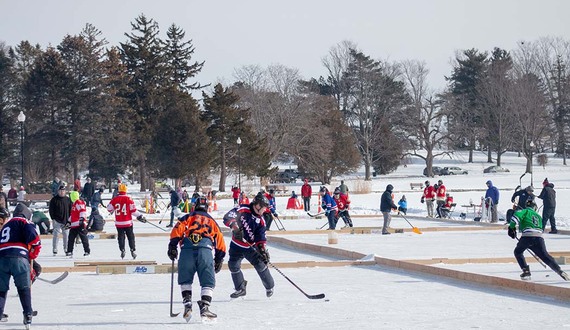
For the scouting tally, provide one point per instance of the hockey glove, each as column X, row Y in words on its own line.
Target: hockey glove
column 67, row 225
column 172, row 252
column 218, row 265
column 238, row 233
column 422, row 200
column 141, row 219
column 512, row 233
column 263, row 253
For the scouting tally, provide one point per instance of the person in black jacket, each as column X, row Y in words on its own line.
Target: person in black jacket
column 87, row 192
column 386, row 206
column 548, row 196
column 59, row 211
column 523, row 195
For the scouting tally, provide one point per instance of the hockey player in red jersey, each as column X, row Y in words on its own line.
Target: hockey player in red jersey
column 78, row 226
column 124, row 208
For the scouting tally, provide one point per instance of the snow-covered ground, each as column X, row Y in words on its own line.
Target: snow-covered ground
column 376, row 297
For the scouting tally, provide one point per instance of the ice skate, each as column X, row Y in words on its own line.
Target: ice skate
column 205, row 310
column 564, row 275
column 122, row 254
column 525, row 276
column 240, row 292
column 133, row 254
column 187, row 309
column 269, row 292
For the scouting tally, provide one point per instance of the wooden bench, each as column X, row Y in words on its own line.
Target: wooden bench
column 277, row 188
column 36, row 198
column 418, row 185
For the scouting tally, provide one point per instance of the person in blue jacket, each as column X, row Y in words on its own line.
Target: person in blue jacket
column 492, row 200
column 329, row 205
column 403, row 205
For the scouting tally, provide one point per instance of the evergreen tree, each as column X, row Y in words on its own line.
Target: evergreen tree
column 178, row 55
column 7, row 122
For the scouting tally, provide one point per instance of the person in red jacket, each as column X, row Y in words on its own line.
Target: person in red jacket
column 440, row 197
column 342, row 203
column 78, row 226
column 124, row 208
column 306, row 192
column 428, row 197
column 235, row 194
column 447, row 206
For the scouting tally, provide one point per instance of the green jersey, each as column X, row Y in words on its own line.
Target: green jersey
column 529, row 222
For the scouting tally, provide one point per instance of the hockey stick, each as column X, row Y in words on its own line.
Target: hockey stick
column 315, row 215
column 310, row 296
column 278, row 222
column 152, row 224
column 534, row 255
column 323, row 226
column 57, row 280
column 162, row 218
column 414, row 229
column 172, row 290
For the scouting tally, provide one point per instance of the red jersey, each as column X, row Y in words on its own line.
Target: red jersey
column 342, row 202
column 124, row 208
column 448, row 202
column 440, row 195
column 78, row 212
column 429, row 192
column 235, row 192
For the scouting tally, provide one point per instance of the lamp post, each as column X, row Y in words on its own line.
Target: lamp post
column 21, row 120
column 239, row 162
column 531, row 170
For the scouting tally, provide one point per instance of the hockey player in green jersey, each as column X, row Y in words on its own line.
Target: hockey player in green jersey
column 530, row 225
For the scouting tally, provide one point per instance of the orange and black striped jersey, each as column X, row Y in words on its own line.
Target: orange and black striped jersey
column 199, row 224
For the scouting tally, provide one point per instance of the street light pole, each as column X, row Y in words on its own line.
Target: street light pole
column 21, row 120
column 531, row 165
column 239, row 162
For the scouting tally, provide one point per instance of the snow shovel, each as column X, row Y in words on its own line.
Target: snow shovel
column 414, row 229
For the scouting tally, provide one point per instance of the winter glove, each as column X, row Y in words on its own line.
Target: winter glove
column 82, row 224
column 512, row 232
column 422, row 200
column 172, row 252
column 141, row 219
column 218, row 265
column 238, row 233
column 263, row 253
column 67, row 225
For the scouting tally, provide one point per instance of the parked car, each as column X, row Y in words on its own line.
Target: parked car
column 453, row 170
column 435, row 169
column 495, row 169
column 283, row 177
column 292, row 173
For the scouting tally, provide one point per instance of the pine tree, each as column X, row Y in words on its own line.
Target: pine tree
column 178, row 55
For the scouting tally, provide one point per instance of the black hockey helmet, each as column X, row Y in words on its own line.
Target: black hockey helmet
column 201, row 204
column 4, row 213
column 323, row 189
column 261, row 200
column 23, row 211
column 336, row 190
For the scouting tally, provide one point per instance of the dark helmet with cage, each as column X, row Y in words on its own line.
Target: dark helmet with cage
column 323, row 189
column 336, row 190
column 4, row 213
column 261, row 200
column 201, row 204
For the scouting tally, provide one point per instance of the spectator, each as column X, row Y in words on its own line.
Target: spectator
column 523, row 195
column 88, row 191
column 306, row 192
column 21, row 195
column 329, row 205
column 235, row 195
column 3, row 200
column 342, row 203
column 96, row 199
column 386, row 206
column 12, row 195
column 440, row 197
column 446, row 208
column 548, row 196
column 492, row 200
column 197, row 234
column 77, row 184
column 403, row 205
column 530, row 225
column 40, row 219
column 78, row 224
column 174, row 201
column 55, row 186
column 270, row 211
column 428, row 197
column 243, row 200
column 249, row 242
column 343, row 188
column 59, row 212
column 16, row 250
column 124, row 208
column 293, row 202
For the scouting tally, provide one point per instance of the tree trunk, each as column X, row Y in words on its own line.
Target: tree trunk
column 222, row 184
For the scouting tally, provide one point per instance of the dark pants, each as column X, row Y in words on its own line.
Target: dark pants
column 307, row 203
column 121, row 232
column 536, row 245
column 73, row 233
column 548, row 215
column 345, row 217
column 439, row 207
column 331, row 216
column 237, row 254
column 19, row 268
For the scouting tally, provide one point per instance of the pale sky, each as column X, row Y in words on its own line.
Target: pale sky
column 298, row 34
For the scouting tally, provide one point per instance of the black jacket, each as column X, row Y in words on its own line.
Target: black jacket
column 60, row 208
column 548, row 196
column 523, row 196
column 386, row 202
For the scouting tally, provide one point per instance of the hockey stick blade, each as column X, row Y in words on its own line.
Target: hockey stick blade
column 57, row 280
column 316, row 296
column 315, row 215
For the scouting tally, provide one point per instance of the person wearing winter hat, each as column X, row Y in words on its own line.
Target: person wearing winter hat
column 548, row 196
column 492, row 200
column 386, row 206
